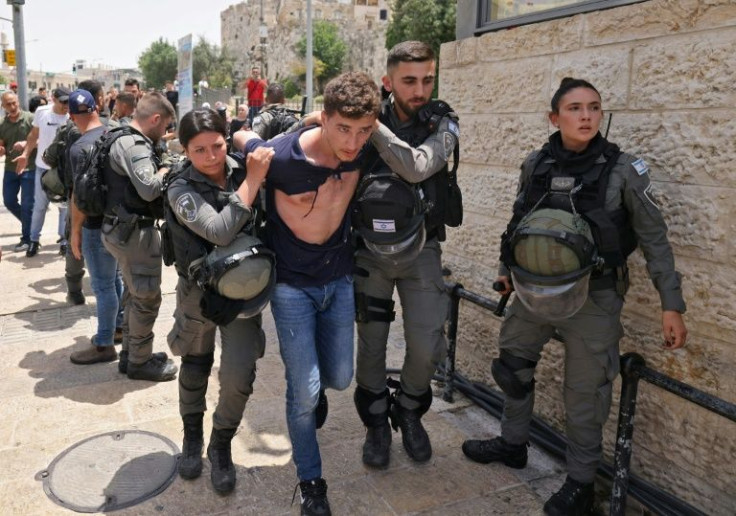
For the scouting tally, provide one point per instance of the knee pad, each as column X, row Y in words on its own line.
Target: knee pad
column 195, row 370
column 504, row 371
column 364, row 400
column 369, row 308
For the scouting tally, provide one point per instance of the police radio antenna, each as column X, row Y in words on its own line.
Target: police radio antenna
column 608, row 126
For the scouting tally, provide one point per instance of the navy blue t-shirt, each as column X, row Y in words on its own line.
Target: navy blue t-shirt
column 300, row 263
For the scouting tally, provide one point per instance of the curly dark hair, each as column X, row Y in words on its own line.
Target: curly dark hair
column 352, row 95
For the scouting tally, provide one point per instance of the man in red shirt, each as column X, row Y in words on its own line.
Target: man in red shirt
column 256, row 88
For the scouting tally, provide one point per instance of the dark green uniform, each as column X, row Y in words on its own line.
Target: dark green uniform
column 591, row 335
column 193, row 336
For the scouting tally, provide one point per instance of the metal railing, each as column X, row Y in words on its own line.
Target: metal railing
column 633, row 369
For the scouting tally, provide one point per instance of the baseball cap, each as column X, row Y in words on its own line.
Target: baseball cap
column 81, row 102
column 61, row 94
column 13, row 84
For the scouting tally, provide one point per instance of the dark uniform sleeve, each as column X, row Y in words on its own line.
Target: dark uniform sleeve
column 202, row 218
column 132, row 156
column 651, row 231
column 415, row 164
column 261, row 123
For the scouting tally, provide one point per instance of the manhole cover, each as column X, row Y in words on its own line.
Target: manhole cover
column 111, row 471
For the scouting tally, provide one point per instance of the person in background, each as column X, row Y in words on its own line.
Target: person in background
column 46, row 122
column 14, row 129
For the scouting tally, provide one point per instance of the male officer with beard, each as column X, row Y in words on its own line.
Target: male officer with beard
column 410, row 149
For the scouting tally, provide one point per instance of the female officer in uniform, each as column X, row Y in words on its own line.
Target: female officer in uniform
column 213, row 207
column 577, row 185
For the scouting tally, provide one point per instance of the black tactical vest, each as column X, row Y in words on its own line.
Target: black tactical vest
column 120, row 189
column 432, row 190
column 186, row 244
column 613, row 235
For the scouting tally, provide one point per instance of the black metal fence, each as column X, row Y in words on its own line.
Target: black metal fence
column 633, row 369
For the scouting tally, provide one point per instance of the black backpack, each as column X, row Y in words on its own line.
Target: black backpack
column 90, row 190
column 283, row 118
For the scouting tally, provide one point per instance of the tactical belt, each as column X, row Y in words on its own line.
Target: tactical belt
column 141, row 222
column 603, row 282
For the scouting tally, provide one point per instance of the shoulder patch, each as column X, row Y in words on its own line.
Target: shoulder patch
column 186, row 207
column 145, row 173
column 454, row 128
column 640, row 166
column 448, row 142
column 649, row 194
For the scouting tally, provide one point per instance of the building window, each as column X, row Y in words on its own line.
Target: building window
column 383, row 14
column 499, row 14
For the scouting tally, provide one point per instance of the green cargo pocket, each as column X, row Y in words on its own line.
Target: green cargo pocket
column 185, row 333
column 603, row 402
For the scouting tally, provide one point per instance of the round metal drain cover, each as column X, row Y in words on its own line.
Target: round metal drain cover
column 111, row 471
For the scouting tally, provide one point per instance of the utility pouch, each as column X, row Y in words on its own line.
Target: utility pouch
column 167, row 245
column 454, row 208
column 622, row 280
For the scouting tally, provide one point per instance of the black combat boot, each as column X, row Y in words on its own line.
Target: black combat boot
column 218, row 452
column 496, row 450
column 158, row 368
column 373, row 411
column 413, row 435
column 190, row 465
column 314, row 498
column 573, row 499
column 377, row 446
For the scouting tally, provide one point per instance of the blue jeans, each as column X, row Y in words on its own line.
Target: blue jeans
column 24, row 183
column 315, row 330
column 107, row 285
column 40, row 205
column 252, row 113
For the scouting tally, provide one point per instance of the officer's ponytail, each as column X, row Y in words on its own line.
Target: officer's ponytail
column 567, row 84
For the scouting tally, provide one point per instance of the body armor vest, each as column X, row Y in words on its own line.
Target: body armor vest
column 433, row 190
column 612, row 233
column 187, row 245
column 120, row 189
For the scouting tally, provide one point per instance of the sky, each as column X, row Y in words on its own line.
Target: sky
column 108, row 32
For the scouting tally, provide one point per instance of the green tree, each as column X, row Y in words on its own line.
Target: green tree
column 213, row 62
column 158, row 63
column 329, row 51
column 431, row 21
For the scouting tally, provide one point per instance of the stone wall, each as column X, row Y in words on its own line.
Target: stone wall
column 667, row 71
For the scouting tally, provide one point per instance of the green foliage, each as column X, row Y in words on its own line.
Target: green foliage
column 212, row 62
column 328, row 49
column 431, row 21
column 158, row 63
column 291, row 88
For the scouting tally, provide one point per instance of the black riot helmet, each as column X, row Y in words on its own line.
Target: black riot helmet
column 243, row 270
column 389, row 216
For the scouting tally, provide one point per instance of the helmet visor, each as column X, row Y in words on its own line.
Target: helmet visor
column 400, row 252
column 552, row 301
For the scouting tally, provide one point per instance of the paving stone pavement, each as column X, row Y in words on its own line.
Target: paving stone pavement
column 48, row 404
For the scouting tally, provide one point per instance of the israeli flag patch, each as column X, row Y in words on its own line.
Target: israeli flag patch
column 640, row 166
column 384, row 226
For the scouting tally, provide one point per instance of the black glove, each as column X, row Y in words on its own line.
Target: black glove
column 219, row 309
